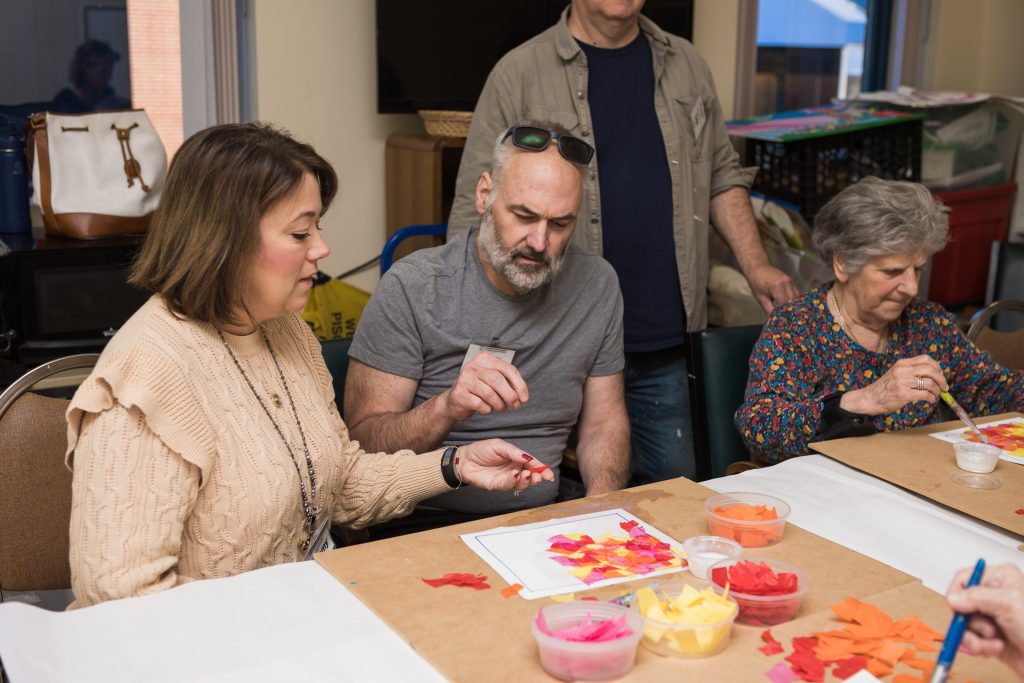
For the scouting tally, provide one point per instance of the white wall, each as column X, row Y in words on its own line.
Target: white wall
column 976, row 45
column 715, row 28
column 316, row 75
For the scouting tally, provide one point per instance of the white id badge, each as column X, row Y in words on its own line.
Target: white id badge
column 499, row 353
column 322, row 541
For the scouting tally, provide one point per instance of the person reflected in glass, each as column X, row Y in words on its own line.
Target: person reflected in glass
column 89, row 73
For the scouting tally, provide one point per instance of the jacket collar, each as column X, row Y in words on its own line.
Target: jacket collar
column 568, row 48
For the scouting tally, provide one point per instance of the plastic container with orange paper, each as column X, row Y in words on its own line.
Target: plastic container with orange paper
column 768, row 591
column 587, row 640
column 753, row 520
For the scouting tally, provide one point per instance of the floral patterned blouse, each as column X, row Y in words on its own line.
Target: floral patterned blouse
column 803, row 356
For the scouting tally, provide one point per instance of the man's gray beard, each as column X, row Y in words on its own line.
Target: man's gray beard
column 524, row 278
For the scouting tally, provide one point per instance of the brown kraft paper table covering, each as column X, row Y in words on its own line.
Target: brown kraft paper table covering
column 472, row 636
column 923, row 464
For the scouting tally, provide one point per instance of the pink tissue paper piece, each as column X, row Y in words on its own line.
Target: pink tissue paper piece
column 781, row 673
column 587, row 631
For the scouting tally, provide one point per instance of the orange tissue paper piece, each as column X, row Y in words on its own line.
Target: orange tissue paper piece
column 747, row 513
column 509, row 591
column 476, row 581
column 745, row 524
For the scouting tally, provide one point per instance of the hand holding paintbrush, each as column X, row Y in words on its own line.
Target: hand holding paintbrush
column 994, row 612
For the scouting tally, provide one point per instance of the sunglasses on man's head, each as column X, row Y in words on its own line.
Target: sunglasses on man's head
column 537, row 139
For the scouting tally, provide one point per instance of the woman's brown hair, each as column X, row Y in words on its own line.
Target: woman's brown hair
column 205, row 234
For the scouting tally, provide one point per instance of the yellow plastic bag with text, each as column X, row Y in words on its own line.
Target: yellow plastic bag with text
column 334, row 309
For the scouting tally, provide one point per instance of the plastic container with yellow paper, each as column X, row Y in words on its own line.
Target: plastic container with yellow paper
column 681, row 621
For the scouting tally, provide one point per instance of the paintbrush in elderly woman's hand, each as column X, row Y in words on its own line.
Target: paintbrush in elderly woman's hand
column 948, row 399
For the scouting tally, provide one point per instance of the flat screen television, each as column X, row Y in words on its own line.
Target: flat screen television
column 436, row 54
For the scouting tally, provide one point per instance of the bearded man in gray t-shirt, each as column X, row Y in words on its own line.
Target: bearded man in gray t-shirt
column 507, row 330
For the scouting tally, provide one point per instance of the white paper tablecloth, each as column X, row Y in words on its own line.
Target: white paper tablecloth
column 875, row 518
column 293, row 622
column 297, row 623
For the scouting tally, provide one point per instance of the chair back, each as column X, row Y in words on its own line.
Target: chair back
column 718, row 359
column 1006, row 282
column 387, row 255
column 335, row 353
column 1006, row 347
column 35, row 489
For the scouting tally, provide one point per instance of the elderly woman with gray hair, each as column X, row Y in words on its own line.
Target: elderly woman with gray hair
column 864, row 354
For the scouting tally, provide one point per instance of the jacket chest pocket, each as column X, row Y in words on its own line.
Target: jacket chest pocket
column 694, row 114
column 557, row 118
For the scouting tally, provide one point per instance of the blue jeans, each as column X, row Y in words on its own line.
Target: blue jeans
column 658, row 402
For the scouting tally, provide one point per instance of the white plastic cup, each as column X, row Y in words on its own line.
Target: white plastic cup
column 702, row 552
column 980, row 458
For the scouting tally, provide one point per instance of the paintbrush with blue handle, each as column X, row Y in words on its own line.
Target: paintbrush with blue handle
column 955, row 634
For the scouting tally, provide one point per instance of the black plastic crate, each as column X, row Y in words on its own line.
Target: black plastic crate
column 809, row 170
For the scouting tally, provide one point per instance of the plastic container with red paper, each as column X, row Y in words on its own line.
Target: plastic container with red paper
column 768, row 591
column 587, row 640
column 753, row 520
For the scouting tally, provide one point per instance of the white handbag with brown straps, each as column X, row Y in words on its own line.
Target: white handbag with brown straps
column 96, row 175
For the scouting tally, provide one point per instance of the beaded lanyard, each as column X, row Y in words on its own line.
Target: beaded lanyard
column 308, row 508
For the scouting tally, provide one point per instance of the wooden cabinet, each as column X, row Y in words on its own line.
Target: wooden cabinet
column 421, row 172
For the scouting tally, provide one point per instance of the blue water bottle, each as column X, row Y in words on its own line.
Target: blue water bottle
column 14, row 215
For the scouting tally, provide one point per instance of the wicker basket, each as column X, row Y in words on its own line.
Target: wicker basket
column 446, row 124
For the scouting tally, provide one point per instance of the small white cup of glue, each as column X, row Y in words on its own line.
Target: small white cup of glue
column 974, row 457
column 703, row 552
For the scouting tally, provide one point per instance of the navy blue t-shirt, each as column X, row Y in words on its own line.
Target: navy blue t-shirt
column 636, row 194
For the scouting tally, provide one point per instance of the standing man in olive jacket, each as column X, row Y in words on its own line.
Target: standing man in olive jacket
column 664, row 171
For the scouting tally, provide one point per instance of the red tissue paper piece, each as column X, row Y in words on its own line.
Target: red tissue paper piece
column 1019, row 511
column 804, row 662
column 539, row 468
column 771, row 646
column 847, row 667
column 587, row 631
column 477, row 581
column 754, row 578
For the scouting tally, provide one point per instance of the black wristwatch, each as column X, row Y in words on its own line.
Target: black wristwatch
column 451, row 477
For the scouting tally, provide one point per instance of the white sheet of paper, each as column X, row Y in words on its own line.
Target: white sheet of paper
column 957, row 436
column 519, row 553
column 863, row 676
column 292, row 622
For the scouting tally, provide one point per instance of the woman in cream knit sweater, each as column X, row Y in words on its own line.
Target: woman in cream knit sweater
column 206, row 441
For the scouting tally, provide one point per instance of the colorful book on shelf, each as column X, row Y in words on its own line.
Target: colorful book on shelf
column 815, row 122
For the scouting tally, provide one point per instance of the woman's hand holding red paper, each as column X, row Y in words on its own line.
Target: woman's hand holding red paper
column 497, row 465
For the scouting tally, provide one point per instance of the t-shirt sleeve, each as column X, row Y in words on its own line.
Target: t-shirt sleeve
column 610, row 358
column 388, row 336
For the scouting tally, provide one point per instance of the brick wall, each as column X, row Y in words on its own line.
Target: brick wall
column 154, row 41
